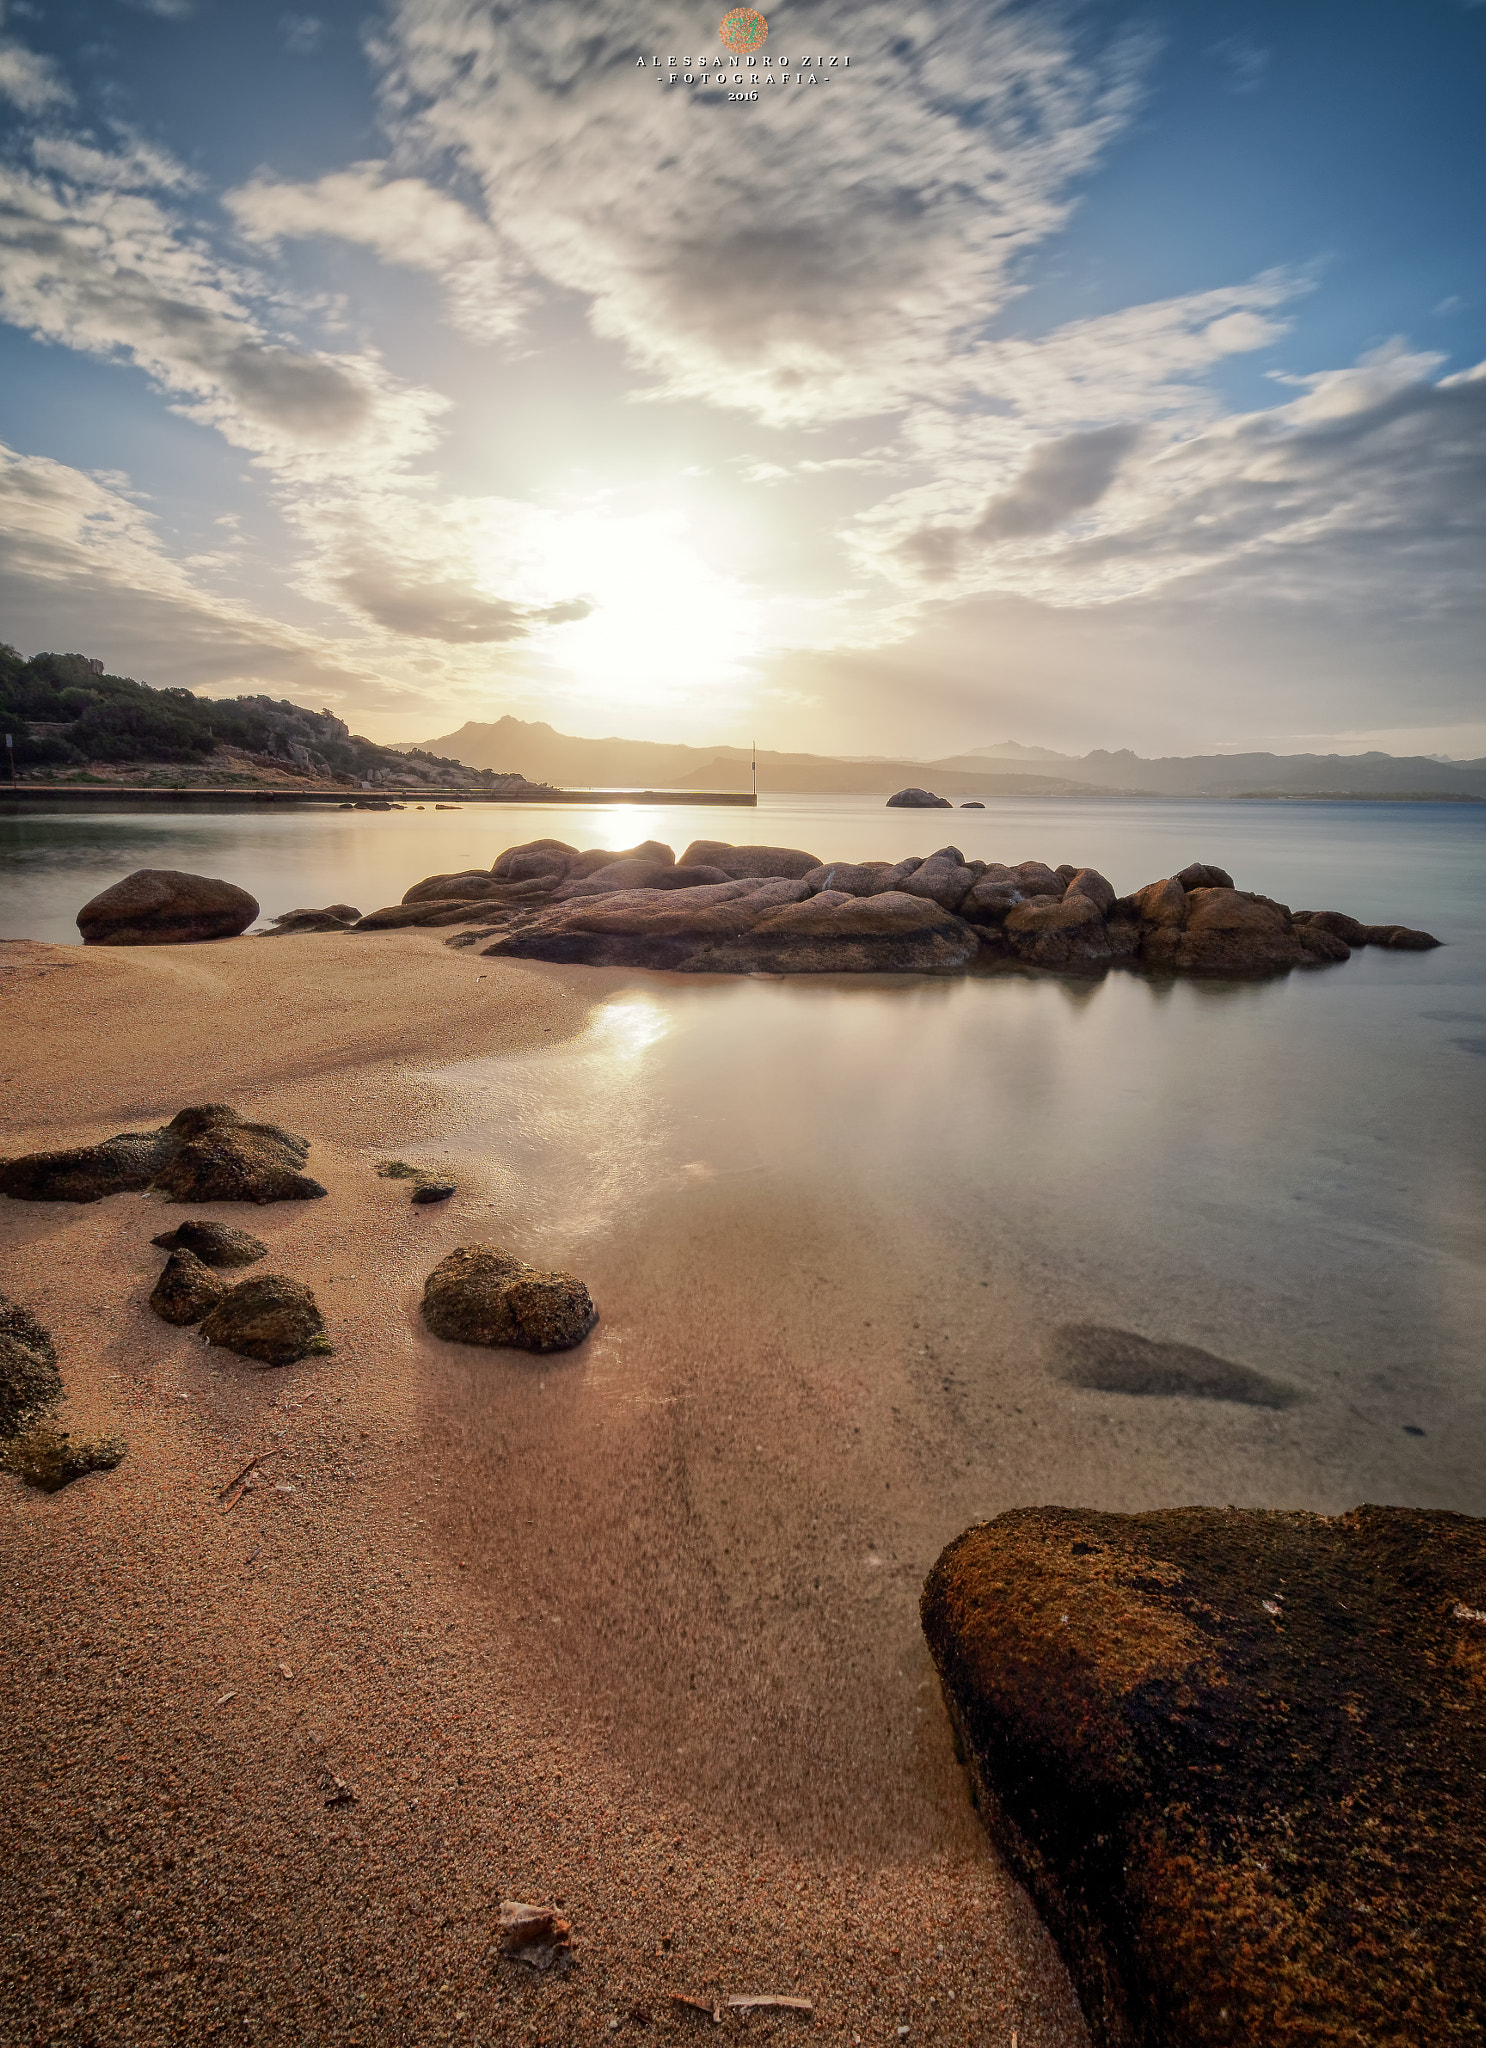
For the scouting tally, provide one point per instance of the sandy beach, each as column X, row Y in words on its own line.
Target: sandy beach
column 632, row 1629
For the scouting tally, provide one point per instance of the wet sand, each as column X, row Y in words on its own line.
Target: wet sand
column 632, row 1629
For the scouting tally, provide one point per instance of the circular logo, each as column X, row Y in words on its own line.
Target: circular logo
column 743, row 29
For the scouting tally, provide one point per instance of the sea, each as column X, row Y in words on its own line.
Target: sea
column 1287, row 1176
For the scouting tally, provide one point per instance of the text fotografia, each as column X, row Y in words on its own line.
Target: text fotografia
column 751, row 73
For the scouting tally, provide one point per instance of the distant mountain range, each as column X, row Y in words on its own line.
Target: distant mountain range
column 510, row 745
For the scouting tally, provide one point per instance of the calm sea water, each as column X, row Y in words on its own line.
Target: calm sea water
column 1289, row 1174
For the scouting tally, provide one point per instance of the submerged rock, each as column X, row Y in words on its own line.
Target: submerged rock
column 163, row 907
column 30, row 1383
column 215, row 1244
column 1113, row 1361
column 1237, row 1758
column 427, row 1186
column 186, row 1289
column 482, row 1295
column 918, row 800
column 271, row 1318
column 51, row 1458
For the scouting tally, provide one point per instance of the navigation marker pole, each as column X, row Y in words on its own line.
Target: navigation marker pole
column 754, row 765
column 10, row 754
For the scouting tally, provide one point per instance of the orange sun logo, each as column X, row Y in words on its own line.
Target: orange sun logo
column 743, row 29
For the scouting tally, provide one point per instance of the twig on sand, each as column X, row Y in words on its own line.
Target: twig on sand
column 712, row 2012
column 240, row 1479
column 748, row 2002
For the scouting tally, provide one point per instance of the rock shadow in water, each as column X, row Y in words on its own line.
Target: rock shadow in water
column 1110, row 1361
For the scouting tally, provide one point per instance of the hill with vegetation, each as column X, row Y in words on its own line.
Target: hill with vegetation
column 71, row 721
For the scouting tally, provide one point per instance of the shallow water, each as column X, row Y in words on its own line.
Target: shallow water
column 1287, row 1174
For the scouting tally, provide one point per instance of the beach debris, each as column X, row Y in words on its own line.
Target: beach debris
column 230, row 1695
column 238, row 1484
column 480, row 1294
column 271, row 1318
column 215, row 1244
column 51, row 1458
column 337, row 1791
column 749, row 2001
column 286, row 1671
column 30, row 1383
column 702, row 2005
column 186, row 1289
column 536, row 1935
column 164, row 907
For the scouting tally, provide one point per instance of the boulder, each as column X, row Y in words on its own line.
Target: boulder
column 30, row 1383
column 1336, row 922
column 1199, row 877
column 859, row 878
column 163, row 907
column 972, row 805
column 215, row 1244
column 994, row 893
column 1237, row 1758
column 653, row 850
column 1161, row 903
column 186, row 1289
column 741, row 863
column 1067, row 933
column 918, row 800
column 1400, row 939
column 1319, row 947
column 943, row 879
column 51, row 1458
column 125, row 1164
column 239, row 1162
column 893, row 933
column 536, row 859
column 466, row 887
column 482, row 1295
column 1090, row 883
column 271, row 1318
column 1226, row 932
column 1034, row 879
column 640, row 874
column 339, row 917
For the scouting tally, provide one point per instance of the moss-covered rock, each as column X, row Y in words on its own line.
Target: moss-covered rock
column 482, row 1295
column 239, row 1162
column 50, row 1458
column 1239, row 1760
column 271, row 1318
column 186, row 1290
column 215, row 1244
column 29, row 1380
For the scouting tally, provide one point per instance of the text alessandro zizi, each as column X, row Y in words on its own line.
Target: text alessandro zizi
column 750, row 72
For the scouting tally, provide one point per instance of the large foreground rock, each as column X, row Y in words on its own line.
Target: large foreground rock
column 206, row 1153
column 163, row 907
column 271, row 1318
column 30, row 1383
column 1239, row 1760
column 482, row 1295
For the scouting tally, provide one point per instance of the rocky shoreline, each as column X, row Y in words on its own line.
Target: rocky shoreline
column 723, row 909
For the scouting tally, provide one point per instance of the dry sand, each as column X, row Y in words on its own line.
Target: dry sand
column 633, row 1630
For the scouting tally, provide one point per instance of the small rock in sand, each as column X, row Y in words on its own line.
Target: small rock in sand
column 271, row 1318
column 482, row 1295
column 50, row 1458
column 186, row 1290
column 29, row 1380
column 216, row 1244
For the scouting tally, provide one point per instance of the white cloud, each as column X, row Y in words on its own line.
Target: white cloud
column 826, row 253
column 29, row 81
column 98, row 267
column 302, row 33
column 406, row 221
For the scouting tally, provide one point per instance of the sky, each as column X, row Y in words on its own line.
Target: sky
column 1080, row 374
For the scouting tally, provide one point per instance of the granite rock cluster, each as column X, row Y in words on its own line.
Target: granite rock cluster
column 208, row 1153
column 741, row 909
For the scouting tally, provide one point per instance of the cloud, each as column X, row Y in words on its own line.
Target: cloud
column 88, row 262
column 1245, row 62
column 29, row 81
column 302, row 33
column 827, row 255
column 165, row 10
column 406, row 221
column 447, row 610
